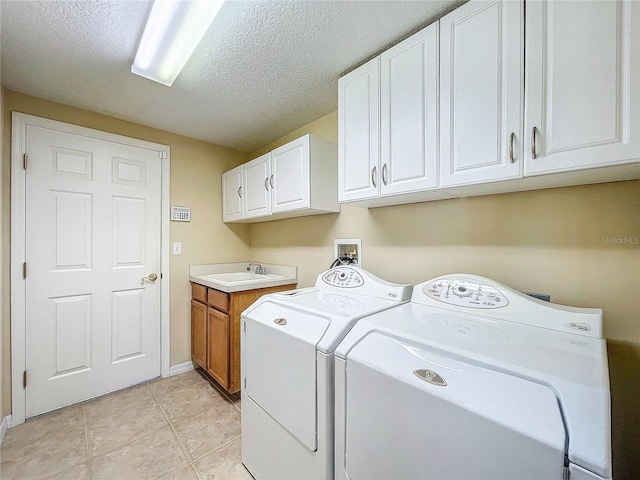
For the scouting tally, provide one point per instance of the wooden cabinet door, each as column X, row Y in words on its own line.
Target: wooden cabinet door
column 481, row 87
column 409, row 114
column 199, row 333
column 359, row 133
column 218, row 346
column 290, row 169
column 583, row 73
column 232, row 195
column 256, row 187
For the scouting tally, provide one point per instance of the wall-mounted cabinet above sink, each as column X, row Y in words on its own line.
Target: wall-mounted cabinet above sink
column 296, row 179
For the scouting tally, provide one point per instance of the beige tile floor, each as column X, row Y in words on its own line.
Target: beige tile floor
column 177, row 428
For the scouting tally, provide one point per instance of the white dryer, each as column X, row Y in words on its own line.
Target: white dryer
column 473, row 380
column 288, row 343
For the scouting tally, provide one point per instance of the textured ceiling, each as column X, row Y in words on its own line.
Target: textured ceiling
column 263, row 69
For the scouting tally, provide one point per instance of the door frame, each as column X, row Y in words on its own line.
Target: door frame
column 20, row 121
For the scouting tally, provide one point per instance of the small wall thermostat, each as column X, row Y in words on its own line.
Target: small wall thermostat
column 181, row 214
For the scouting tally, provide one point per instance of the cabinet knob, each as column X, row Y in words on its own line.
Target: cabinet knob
column 240, row 191
column 384, row 174
column 373, row 176
column 534, row 153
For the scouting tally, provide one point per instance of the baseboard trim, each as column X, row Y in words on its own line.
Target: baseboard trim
column 180, row 368
column 4, row 426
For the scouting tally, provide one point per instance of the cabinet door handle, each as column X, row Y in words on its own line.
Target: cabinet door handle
column 511, row 139
column 266, row 184
column 373, row 176
column 271, row 181
column 384, row 174
column 534, row 153
column 240, row 191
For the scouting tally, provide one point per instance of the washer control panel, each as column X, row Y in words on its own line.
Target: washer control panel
column 343, row 277
column 465, row 293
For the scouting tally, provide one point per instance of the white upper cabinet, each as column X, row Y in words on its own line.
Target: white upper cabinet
column 481, row 84
column 409, row 114
column 388, row 125
column 450, row 113
column 232, row 195
column 256, row 191
column 582, row 86
column 290, row 176
column 359, row 132
column 296, row 179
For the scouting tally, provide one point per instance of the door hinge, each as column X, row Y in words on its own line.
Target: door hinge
column 25, row 160
column 24, row 379
column 163, row 154
column 24, row 270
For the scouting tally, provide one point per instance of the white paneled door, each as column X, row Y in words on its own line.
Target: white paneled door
column 93, row 232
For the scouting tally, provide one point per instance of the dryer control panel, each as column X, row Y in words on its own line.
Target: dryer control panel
column 343, row 277
column 465, row 293
column 355, row 280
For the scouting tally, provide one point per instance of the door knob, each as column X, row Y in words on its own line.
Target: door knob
column 152, row 277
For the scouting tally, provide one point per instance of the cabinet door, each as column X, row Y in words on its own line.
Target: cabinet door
column 199, row 333
column 583, row 77
column 290, row 169
column 218, row 346
column 481, row 80
column 257, row 196
column 359, row 133
column 232, row 195
column 409, row 113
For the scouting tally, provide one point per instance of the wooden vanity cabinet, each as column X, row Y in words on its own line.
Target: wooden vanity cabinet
column 215, row 330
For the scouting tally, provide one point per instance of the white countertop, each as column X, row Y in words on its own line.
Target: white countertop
column 276, row 275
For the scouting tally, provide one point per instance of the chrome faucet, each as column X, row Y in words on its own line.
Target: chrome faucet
column 260, row 270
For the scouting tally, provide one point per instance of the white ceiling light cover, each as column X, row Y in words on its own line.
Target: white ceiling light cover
column 172, row 32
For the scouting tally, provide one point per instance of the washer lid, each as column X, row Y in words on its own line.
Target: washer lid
column 341, row 308
column 413, row 413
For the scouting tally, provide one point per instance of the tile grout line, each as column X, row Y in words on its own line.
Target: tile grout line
column 86, row 441
column 219, row 389
column 177, row 437
column 218, row 448
column 129, row 442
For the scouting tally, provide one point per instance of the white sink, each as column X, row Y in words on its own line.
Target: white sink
column 240, row 277
column 234, row 277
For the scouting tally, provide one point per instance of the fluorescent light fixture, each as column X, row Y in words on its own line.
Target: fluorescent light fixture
column 174, row 29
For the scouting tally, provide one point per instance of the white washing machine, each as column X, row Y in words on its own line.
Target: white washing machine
column 473, row 380
column 288, row 343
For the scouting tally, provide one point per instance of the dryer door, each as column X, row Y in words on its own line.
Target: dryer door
column 412, row 413
column 280, row 366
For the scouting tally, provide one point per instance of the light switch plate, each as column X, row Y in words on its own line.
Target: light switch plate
column 177, row 248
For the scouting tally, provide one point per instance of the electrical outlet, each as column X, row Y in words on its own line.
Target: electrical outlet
column 177, row 248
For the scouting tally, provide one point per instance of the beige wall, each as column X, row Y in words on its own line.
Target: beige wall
column 548, row 241
column 196, row 169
